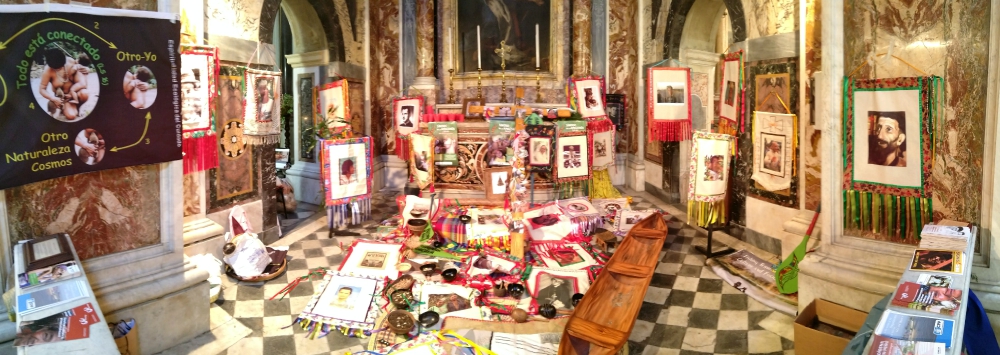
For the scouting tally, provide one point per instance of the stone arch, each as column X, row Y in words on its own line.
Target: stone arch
column 702, row 27
column 678, row 16
column 315, row 25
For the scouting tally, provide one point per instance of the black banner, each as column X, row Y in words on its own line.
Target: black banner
column 84, row 92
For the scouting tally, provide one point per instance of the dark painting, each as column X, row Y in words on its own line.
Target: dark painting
column 512, row 21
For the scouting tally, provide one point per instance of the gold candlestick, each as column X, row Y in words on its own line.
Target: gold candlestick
column 479, row 82
column 502, row 51
column 538, row 81
column 451, row 86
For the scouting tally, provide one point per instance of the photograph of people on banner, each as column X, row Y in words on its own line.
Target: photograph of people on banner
column 668, row 103
column 774, row 137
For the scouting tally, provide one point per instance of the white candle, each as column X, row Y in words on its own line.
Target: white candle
column 538, row 59
column 479, row 52
column 451, row 53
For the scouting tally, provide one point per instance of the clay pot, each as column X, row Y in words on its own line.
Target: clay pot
column 429, row 319
column 400, row 321
column 401, row 298
column 547, row 310
column 449, row 275
column 416, row 226
column 500, row 290
column 465, row 219
column 576, row 298
column 519, row 315
column 428, row 269
column 515, row 290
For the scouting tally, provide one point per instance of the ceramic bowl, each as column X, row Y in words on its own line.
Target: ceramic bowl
column 465, row 218
column 515, row 290
column 401, row 298
column 429, row 319
column 576, row 298
column 449, row 274
column 416, row 226
column 400, row 321
column 428, row 269
column 547, row 310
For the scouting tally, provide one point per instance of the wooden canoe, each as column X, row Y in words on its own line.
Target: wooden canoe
column 602, row 321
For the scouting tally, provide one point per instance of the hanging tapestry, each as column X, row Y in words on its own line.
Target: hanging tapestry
column 730, row 107
column 445, row 142
column 604, row 149
column 709, row 172
column 332, row 102
column 406, row 117
column 346, row 165
column 262, row 116
column 345, row 303
column 573, row 154
column 199, row 72
column 422, row 159
column 888, row 152
column 668, row 104
column 540, row 147
column 775, row 139
column 586, row 96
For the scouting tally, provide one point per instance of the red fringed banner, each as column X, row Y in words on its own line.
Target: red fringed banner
column 670, row 131
column 200, row 151
column 403, row 147
column 600, row 125
column 668, row 103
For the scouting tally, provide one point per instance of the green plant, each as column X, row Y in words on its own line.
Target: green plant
column 320, row 128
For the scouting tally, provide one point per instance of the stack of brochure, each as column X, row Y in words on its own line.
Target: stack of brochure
column 945, row 237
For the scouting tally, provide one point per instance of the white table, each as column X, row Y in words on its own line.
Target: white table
column 100, row 340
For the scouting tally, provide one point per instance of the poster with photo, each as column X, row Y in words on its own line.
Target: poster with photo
column 499, row 151
column 346, row 169
column 709, row 166
column 85, row 92
column 332, row 102
column 732, row 87
column 540, row 138
column 407, row 112
column 587, row 96
column 887, row 128
column 449, row 301
column 372, row 259
column 262, row 111
column 668, row 103
column 573, row 150
column 345, row 298
column 774, row 150
column 445, row 142
column 604, row 149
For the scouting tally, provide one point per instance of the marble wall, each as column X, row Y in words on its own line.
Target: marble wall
column 812, row 160
column 384, row 69
column 104, row 212
column 623, row 50
column 770, row 17
column 351, row 16
column 943, row 38
column 234, row 18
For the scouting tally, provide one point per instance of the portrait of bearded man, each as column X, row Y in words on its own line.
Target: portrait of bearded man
column 886, row 140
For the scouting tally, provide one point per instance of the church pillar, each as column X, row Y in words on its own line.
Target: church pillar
column 582, row 11
column 425, row 81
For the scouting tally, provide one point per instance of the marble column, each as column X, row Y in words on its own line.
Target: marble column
column 425, row 81
column 582, row 11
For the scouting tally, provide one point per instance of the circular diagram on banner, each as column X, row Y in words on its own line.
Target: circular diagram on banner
column 89, row 146
column 64, row 81
column 140, row 86
column 231, row 139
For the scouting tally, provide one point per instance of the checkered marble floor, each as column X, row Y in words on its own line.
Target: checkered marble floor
column 687, row 309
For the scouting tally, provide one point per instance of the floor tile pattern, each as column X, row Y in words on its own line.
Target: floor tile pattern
column 687, row 309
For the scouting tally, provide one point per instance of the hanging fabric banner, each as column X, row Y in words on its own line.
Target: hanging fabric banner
column 332, row 103
column 422, row 159
column 540, row 139
column 262, row 116
column 586, row 96
column 83, row 91
column 573, row 157
column 709, row 178
column 199, row 74
column 407, row 113
column 668, row 104
column 775, row 139
column 731, row 105
column 888, row 153
column 346, row 165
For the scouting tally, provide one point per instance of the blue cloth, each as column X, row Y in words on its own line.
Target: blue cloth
column 979, row 338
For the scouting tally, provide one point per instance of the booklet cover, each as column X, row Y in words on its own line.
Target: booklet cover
column 949, row 261
column 903, row 326
column 498, row 147
column 928, row 298
column 69, row 325
column 45, row 275
column 51, row 296
column 445, row 142
column 888, row 346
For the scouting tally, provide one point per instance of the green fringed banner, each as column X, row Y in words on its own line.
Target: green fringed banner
column 889, row 146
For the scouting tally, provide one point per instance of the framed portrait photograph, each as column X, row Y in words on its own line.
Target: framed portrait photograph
column 887, row 129
column 198, row 78
column 346, row 300
column 262, row 107
column 468, row 104
column 372, row 258
column 406, row 113
column 332, row 102
column 496, row 181
column 604, row 149
column 540, row 151
column 346, row 167
column 587, row 96
column 616, row 105
column 732, row 86
column 709, row 166
column 773, row 159
column 557, row 286
column 572, row 157
column 668, row 103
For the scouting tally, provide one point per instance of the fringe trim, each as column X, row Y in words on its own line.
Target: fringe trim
column 600, row 125
column 670, row 131
column 261, row 139
column 314, row 328
column 200, row 153
column 403, row 147
column 705, row 214
column 602, row 187
column 894, row 216
column 354, row 212
column 727, row 127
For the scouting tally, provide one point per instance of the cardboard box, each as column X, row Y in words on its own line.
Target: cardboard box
column 822, row 314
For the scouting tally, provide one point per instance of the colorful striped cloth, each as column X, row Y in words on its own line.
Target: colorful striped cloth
column 451, row 228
